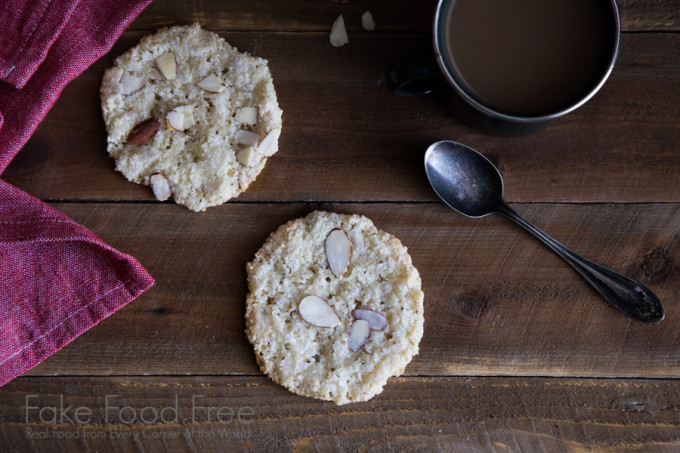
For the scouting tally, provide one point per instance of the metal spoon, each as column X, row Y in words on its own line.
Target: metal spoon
column 470, row 184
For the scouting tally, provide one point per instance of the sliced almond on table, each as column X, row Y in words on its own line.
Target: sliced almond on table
column 377, row 321
column 338, row 252
column 167, row 64
column 359, row 332
column 130, row 84
column 338, row 36
column 143, row 132
column 160, row 186
column 180, row 118
column 367, row 22
column 317, row 312
column 248, row 138
column 247, row 115
column 211, row 84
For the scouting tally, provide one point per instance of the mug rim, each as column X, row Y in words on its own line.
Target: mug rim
column 448, row 73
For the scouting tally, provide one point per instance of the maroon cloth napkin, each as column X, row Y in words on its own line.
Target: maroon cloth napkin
column 57, row 279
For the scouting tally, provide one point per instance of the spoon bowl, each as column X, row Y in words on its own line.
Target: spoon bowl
column 464, row 179
column 470, row 184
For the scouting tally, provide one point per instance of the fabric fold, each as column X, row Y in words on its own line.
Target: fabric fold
column 28, row 34
column 92, row 29
column 58, row 278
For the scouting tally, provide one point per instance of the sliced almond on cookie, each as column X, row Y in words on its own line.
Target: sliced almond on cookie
column 211, row 84
column 267, row 146
column 317, row 312
column 245, row 137
column 247, row 115
column 338, row 252
column 246, row 156
column 113, row 75
column 167, row 64
column 180, row 118
column 377, row 321
column 160, row 186
column 130, row 84
column 358, row 334
column 143, row 132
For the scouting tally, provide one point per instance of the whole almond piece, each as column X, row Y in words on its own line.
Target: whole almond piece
column 358, row 334
column 338, row 252
column 317, row 312
column 143, row 132
column 376, row 320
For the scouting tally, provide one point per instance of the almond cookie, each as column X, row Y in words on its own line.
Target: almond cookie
column 335, row 307
column 190, row 116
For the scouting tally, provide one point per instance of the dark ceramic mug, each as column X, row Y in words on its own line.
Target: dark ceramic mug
column 522, row 62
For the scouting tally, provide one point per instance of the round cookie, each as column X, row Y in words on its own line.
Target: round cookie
column 189, row 115
column 288, row 336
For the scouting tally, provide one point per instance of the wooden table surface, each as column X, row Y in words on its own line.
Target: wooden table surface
column 518, row 354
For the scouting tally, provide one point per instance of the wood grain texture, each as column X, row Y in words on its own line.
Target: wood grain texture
column 518, row 355
column 496, row 301
column 347, row 138
column 477, row 415
column 318, row 15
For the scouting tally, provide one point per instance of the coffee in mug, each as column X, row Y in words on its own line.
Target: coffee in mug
column 517, row 61
column 528, row 58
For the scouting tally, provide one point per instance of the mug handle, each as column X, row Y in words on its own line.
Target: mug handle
column 413, row 76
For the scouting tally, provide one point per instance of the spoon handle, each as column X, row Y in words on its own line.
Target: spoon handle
column 630, row 297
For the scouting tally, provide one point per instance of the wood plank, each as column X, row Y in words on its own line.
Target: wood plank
column 496, row 301
column 478, row 414
column 342, row 127
column 318, row 15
